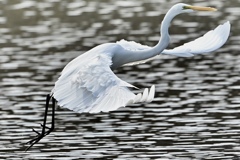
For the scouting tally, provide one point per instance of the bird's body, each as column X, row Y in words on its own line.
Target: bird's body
column 88, row 84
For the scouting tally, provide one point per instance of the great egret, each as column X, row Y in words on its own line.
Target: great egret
column 88, row 84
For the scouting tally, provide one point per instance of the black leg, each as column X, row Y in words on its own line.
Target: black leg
column 53, row 114
column 39, row 136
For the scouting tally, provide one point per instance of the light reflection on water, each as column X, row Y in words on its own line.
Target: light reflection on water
column 195, row 114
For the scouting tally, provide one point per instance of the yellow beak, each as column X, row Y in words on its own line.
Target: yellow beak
column 198, row 8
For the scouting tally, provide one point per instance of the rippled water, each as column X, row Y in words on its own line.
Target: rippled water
column 196, row 112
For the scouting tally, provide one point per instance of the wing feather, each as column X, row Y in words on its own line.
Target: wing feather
column 151, row 94
column 134, row 46
column 209, row 42
column 87, row 84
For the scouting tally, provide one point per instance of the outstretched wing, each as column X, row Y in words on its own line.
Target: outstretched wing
column 209, row 42
column 87, row 84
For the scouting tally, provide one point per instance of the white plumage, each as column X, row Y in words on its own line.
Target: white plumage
column 88, row 84
column 209, row 42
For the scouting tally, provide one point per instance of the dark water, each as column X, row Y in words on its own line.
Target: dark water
column 196, row 112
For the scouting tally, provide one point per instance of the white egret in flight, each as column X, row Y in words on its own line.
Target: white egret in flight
column 88, row 84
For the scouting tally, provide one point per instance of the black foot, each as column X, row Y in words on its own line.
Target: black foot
column 45, row 130
column 39, row 136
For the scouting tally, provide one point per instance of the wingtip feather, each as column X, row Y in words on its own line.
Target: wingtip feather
column 151, row 94
column 145, row 95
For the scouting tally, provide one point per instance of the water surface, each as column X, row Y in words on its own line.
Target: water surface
column 196, row 111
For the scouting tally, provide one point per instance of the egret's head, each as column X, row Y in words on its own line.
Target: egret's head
column 182, row 8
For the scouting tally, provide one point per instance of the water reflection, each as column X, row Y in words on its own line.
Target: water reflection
column 195, row 114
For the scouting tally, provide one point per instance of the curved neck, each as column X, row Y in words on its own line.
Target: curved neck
column 165, row 38
column 139, row 55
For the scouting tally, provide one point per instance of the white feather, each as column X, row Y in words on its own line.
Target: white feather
column 134, row 46
column 87, row 84
column 136, row 99
column 151, row 94
column 209, row 42
column 145, row 95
